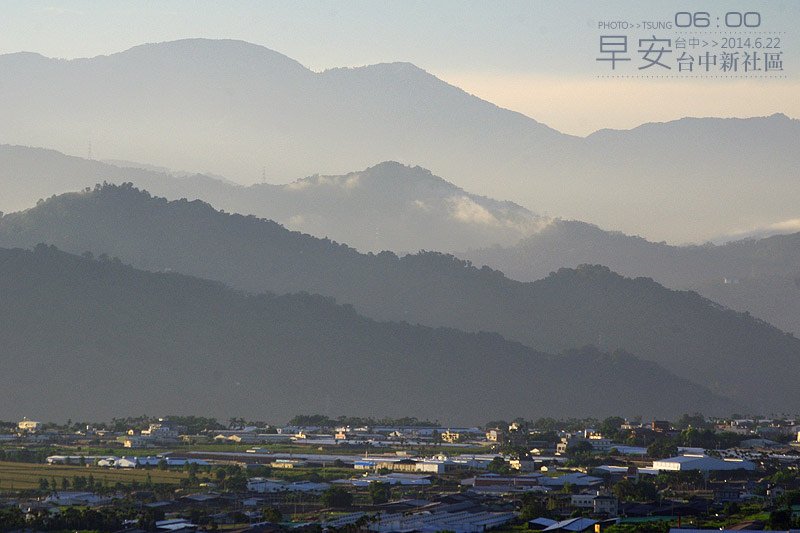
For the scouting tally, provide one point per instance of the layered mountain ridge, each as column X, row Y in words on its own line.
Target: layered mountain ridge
column 731, row 353
column 106, row 339
column 388, row 206
column 242, row 111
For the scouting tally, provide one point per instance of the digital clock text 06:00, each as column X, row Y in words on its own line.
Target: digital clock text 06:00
column 703, row 19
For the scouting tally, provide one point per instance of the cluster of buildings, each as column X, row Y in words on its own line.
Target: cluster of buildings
column 453, row 489
column 166, row 433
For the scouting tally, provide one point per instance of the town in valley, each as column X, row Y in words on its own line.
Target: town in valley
column 188, row 473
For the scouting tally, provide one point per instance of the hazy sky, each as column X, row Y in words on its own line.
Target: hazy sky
column 536, row 57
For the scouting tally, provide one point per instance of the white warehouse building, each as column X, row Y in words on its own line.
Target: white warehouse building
column 703, row 463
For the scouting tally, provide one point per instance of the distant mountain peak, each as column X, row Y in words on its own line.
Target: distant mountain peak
column 396, row 166
column 586, row 271
column 704, row 121
column 379, row 175
column 403, row 67
column 396, row 67
column 195, row 45
column 393, row 170
column 232, row 55
column 23, row 56
column 780, row 116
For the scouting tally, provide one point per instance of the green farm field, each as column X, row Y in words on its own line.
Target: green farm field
column 19, row 476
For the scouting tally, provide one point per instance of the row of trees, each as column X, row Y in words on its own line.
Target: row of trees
column 667, row 445
column 78, row 483
column 76, row 518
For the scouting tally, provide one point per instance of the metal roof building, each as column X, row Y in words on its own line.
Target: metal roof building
column 574, row 525
column 703, row 463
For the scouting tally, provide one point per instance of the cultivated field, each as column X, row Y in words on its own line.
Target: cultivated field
column 16, row 476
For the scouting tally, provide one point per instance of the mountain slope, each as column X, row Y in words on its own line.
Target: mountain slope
column 386, row 207
column 226, row 97
column 394, row 207
column 235, row 109
column 145, row 342
column 389, row 207
column 758, row 276
column 731, row 353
